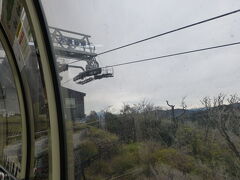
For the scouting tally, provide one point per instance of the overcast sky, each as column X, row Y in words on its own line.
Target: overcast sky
column 112, row 23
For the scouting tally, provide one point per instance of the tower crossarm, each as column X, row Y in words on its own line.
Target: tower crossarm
column 73, row 45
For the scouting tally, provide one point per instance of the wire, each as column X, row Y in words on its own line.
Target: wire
column 168, row 55
column 165, row 33
column 168, row 32
column 175, row 54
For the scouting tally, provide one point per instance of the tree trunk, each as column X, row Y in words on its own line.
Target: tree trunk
column 231, row 145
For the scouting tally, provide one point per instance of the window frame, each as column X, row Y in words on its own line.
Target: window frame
column 41, row 36
column 26, row 134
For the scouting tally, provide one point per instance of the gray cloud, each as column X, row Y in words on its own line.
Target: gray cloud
column 116, row 22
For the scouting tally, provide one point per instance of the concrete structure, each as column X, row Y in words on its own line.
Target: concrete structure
column 74, row 104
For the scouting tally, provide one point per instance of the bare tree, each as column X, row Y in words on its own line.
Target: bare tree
column 173, row 113
column 175, row 118
column 224, row 117
column 207, row 118
column 144, row 106
column 183, row 106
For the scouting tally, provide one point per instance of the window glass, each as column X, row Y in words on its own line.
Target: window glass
column 155, row 85
column 16, row 25
column 10, row 120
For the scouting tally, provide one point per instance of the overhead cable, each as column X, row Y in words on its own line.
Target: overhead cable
column 167, row 56
column 175, row 54
column 171, row 31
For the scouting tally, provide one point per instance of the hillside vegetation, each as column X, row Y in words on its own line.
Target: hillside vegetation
column 145, row 142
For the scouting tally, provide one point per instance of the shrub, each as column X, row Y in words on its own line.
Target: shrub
column 106, row 143
column 87, row 150
column 172, row 157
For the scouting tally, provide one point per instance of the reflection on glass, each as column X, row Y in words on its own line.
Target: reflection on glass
column 175, row 119
column 16, row 25
column 10, row 120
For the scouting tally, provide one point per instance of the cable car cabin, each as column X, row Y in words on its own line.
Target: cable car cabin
column 96, row 74
column 106, row 73
column 87, row 73
column 86, row 81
